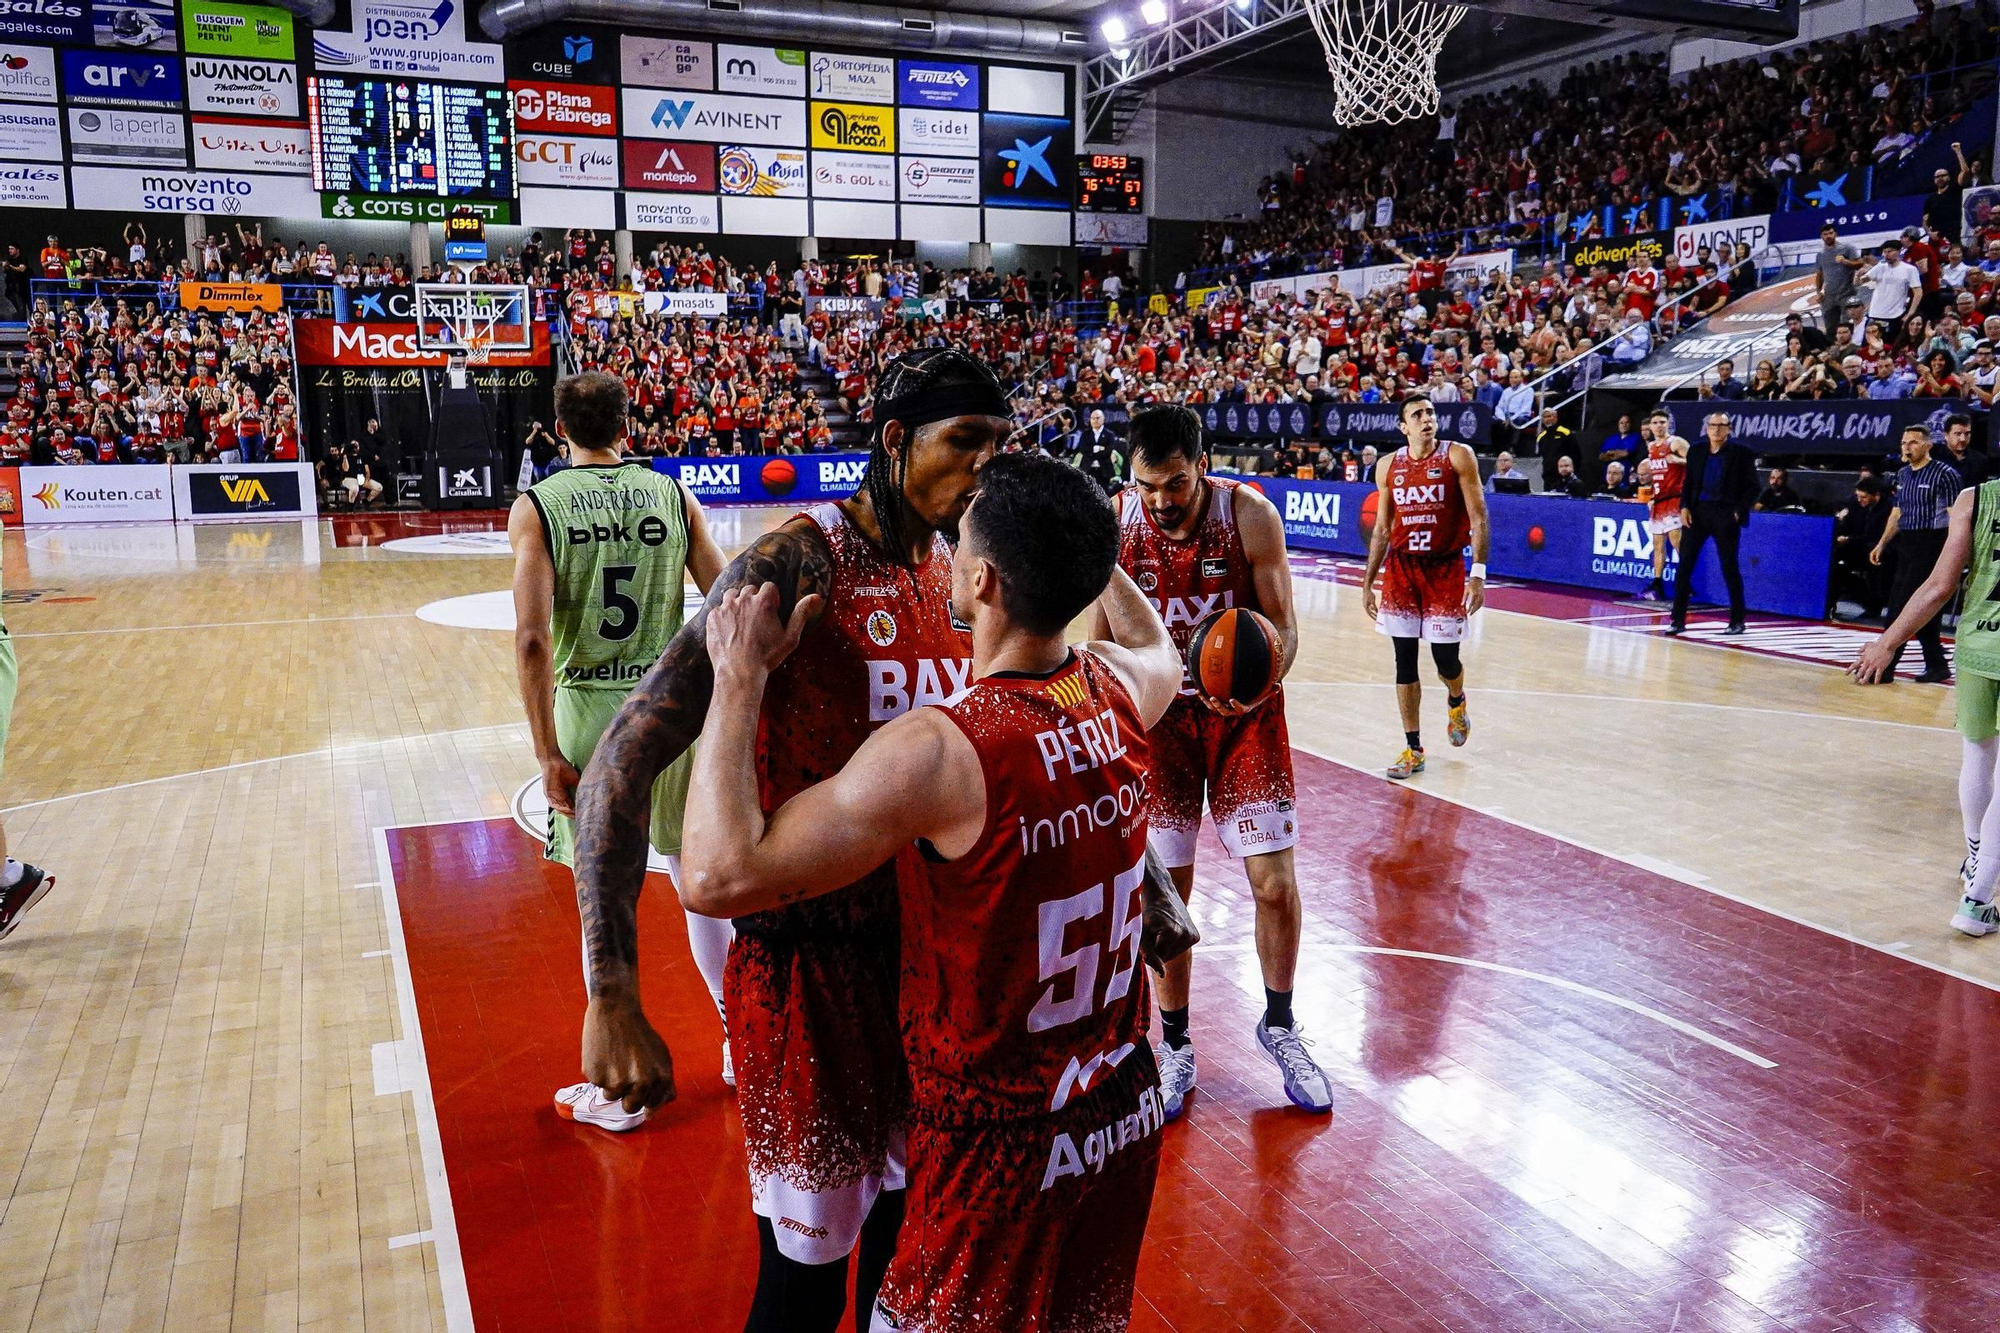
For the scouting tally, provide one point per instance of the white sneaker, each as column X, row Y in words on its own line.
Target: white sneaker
column 1974, row 917
column 728, row 1066
column 1176, row 1076
column 1305, row 1081
column 586, row 1102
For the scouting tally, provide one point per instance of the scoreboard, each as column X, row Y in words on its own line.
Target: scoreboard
column 411, row 137
column 1110, row 183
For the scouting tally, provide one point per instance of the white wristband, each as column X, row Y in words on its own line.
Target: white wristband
column 1478, row 572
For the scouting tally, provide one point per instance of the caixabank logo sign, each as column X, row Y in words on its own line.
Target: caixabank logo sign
column 1027, row 162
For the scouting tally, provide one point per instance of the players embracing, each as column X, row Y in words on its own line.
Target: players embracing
column 1196, row 545
column 1429, row 506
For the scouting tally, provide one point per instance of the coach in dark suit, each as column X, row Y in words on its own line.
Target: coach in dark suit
column 1720, row 488
column 1100, row 453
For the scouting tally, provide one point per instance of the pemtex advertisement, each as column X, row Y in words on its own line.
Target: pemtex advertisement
column 1586, row 543
column 767, row 479
column 107, row 493
column 218, row 492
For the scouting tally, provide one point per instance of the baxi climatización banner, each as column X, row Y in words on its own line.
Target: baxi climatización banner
column 767, row 479
column 1787, row 558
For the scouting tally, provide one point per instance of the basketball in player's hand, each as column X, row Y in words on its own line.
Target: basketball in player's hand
column 1233, row 657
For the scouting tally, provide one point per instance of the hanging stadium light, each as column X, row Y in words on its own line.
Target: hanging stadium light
column 1113, row 29
column 1154, row 12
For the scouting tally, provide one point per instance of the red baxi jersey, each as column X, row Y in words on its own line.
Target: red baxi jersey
column 1431, row 522
column 1664, row 473
column 1021, row 976
column 1187, row 580
column 885, row 644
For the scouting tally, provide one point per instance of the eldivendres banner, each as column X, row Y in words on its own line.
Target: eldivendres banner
column 1787, row 558
column 753, row 479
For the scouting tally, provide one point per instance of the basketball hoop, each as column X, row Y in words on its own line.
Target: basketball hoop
column 1383, row 56
column 478, row 346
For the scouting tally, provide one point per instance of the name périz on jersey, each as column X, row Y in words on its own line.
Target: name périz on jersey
column 1089, row 743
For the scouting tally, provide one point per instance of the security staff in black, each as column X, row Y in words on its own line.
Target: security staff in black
column 1100, row 454
column 1716, row 497
column 1925, row 488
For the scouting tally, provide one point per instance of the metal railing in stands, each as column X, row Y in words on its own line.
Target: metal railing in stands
column 1541, row 403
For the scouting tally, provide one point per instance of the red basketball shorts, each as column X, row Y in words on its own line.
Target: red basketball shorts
column 1031, row 1225
column 820, row 1080
column 1240, row 768
column 1422, row 599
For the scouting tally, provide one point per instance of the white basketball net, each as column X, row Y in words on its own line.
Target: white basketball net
column 1383, row 56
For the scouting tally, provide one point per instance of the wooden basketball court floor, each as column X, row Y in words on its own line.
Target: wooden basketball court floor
column 1642, row 1010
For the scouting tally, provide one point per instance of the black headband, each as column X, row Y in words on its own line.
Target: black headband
column 956, row 400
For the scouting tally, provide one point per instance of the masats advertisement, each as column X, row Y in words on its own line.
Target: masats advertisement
column 564, row 108
column 326, row 342
column 243, row 87
column 280, row 146
column 682, row 168
column 551, row 159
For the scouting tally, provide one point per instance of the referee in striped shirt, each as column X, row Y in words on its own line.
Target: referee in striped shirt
column 1925, row 488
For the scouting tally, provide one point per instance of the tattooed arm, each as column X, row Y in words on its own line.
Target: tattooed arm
column 614, row 804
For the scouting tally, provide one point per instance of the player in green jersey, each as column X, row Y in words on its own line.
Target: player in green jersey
column 1971, row 553
column 21, row 885
column 599, row 553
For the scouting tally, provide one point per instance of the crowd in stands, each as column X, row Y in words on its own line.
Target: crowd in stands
column 111, row 381
column 1506, row 167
